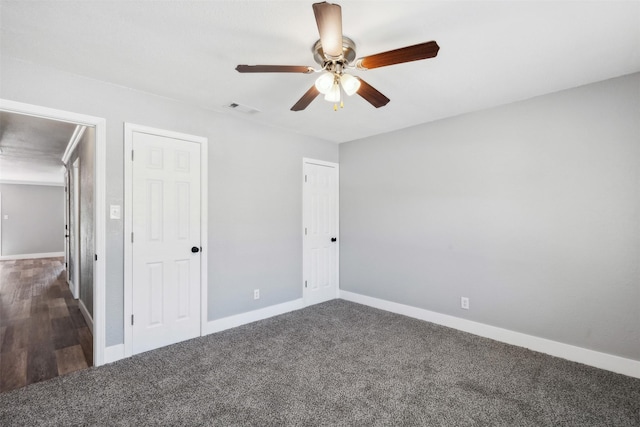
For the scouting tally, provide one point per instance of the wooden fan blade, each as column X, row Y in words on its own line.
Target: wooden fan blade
column 306, row 99
column 399, row 56
column 273, row 69
column 372, row 95
column 329, row 20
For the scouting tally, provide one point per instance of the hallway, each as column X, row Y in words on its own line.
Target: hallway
column 42, row 331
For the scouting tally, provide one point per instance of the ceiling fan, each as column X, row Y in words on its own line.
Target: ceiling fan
column 336, row 54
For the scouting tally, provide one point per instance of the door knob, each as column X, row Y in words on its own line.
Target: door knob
column 334, row 239
column 195, row 249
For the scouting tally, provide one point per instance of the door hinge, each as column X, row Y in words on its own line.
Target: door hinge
column 66, row 265
column 305, row 231
column 305, row 178
column 96, row 256
column 132, row 320
column 132, row 237
column 305, row 283
column 132, row 155
column 66, row 227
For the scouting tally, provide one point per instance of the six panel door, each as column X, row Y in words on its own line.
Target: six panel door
column 166, row 241
column 320, row 203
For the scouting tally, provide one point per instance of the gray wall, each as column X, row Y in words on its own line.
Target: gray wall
column 255, row 194
column 85, row 152
column 36, row 219
column 530, row 210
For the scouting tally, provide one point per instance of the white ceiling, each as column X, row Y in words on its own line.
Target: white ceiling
column 31, row 148
column 491, row 53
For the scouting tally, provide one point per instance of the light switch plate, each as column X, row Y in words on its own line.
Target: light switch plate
column 114, row 211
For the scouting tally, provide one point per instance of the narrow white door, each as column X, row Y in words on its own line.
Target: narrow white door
column 320, row 218
column 166, row 241
column 67, row 222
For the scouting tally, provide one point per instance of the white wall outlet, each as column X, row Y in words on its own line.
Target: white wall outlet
column 464, row 303
column 256, row 294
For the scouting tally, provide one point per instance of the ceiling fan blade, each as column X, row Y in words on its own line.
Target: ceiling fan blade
column 399, row 56
column 274, row 69
column 306, row 99
column 329, row 20
column 372, row 95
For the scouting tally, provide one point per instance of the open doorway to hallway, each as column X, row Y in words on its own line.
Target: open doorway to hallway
column 44, row 330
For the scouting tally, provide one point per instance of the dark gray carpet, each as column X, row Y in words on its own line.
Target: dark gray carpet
column 336, row 363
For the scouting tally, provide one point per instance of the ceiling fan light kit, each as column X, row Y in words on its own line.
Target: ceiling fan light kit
column 336, row 53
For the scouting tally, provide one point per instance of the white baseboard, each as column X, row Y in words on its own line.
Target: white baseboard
column 593, row 358
column 86, row 315
column 218, row 325
column 32, row 256
column 113, row 353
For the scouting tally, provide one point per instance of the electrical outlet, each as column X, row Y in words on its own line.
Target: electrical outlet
column 464, row 303
column 256, row 294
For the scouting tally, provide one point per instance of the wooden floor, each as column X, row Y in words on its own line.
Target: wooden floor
column 42, row 332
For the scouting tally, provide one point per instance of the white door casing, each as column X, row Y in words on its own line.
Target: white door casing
column 320, row 231
column 166, row 286
column 99, row 271
column 74, row 227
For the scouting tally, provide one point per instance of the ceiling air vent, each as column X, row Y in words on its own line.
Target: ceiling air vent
column 242, row 108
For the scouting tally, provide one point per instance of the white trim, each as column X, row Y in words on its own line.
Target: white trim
column 99, row 272
column 86, row 315
column 32, row 256
column 129, row 129
column 75, row 170
column 73, row 142
column 234, row 321
column 47, row 183
column 320, row 162
column 113, row 353
column 204, row 233
column 573, row 353
column 336, row 166
column 72, row 286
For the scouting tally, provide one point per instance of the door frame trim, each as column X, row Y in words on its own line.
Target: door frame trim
column 336, row 166
column 75, row 172
column 99, row 185
column 129, row 129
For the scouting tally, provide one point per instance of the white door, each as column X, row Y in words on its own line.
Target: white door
column 166, row 241
column 320, row 244
column 67, row 221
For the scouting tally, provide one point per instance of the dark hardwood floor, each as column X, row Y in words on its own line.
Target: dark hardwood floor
column 42, row 332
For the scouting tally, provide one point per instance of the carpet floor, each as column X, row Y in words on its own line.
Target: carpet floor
column 336, row 363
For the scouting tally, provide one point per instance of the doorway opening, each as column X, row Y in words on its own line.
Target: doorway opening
column 98, row 223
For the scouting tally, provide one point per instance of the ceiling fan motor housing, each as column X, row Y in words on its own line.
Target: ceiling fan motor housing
column 348, row 53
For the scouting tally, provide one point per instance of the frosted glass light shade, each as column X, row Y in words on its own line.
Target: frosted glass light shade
column 350, row 84
column 324, row 83
column 334, row 94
